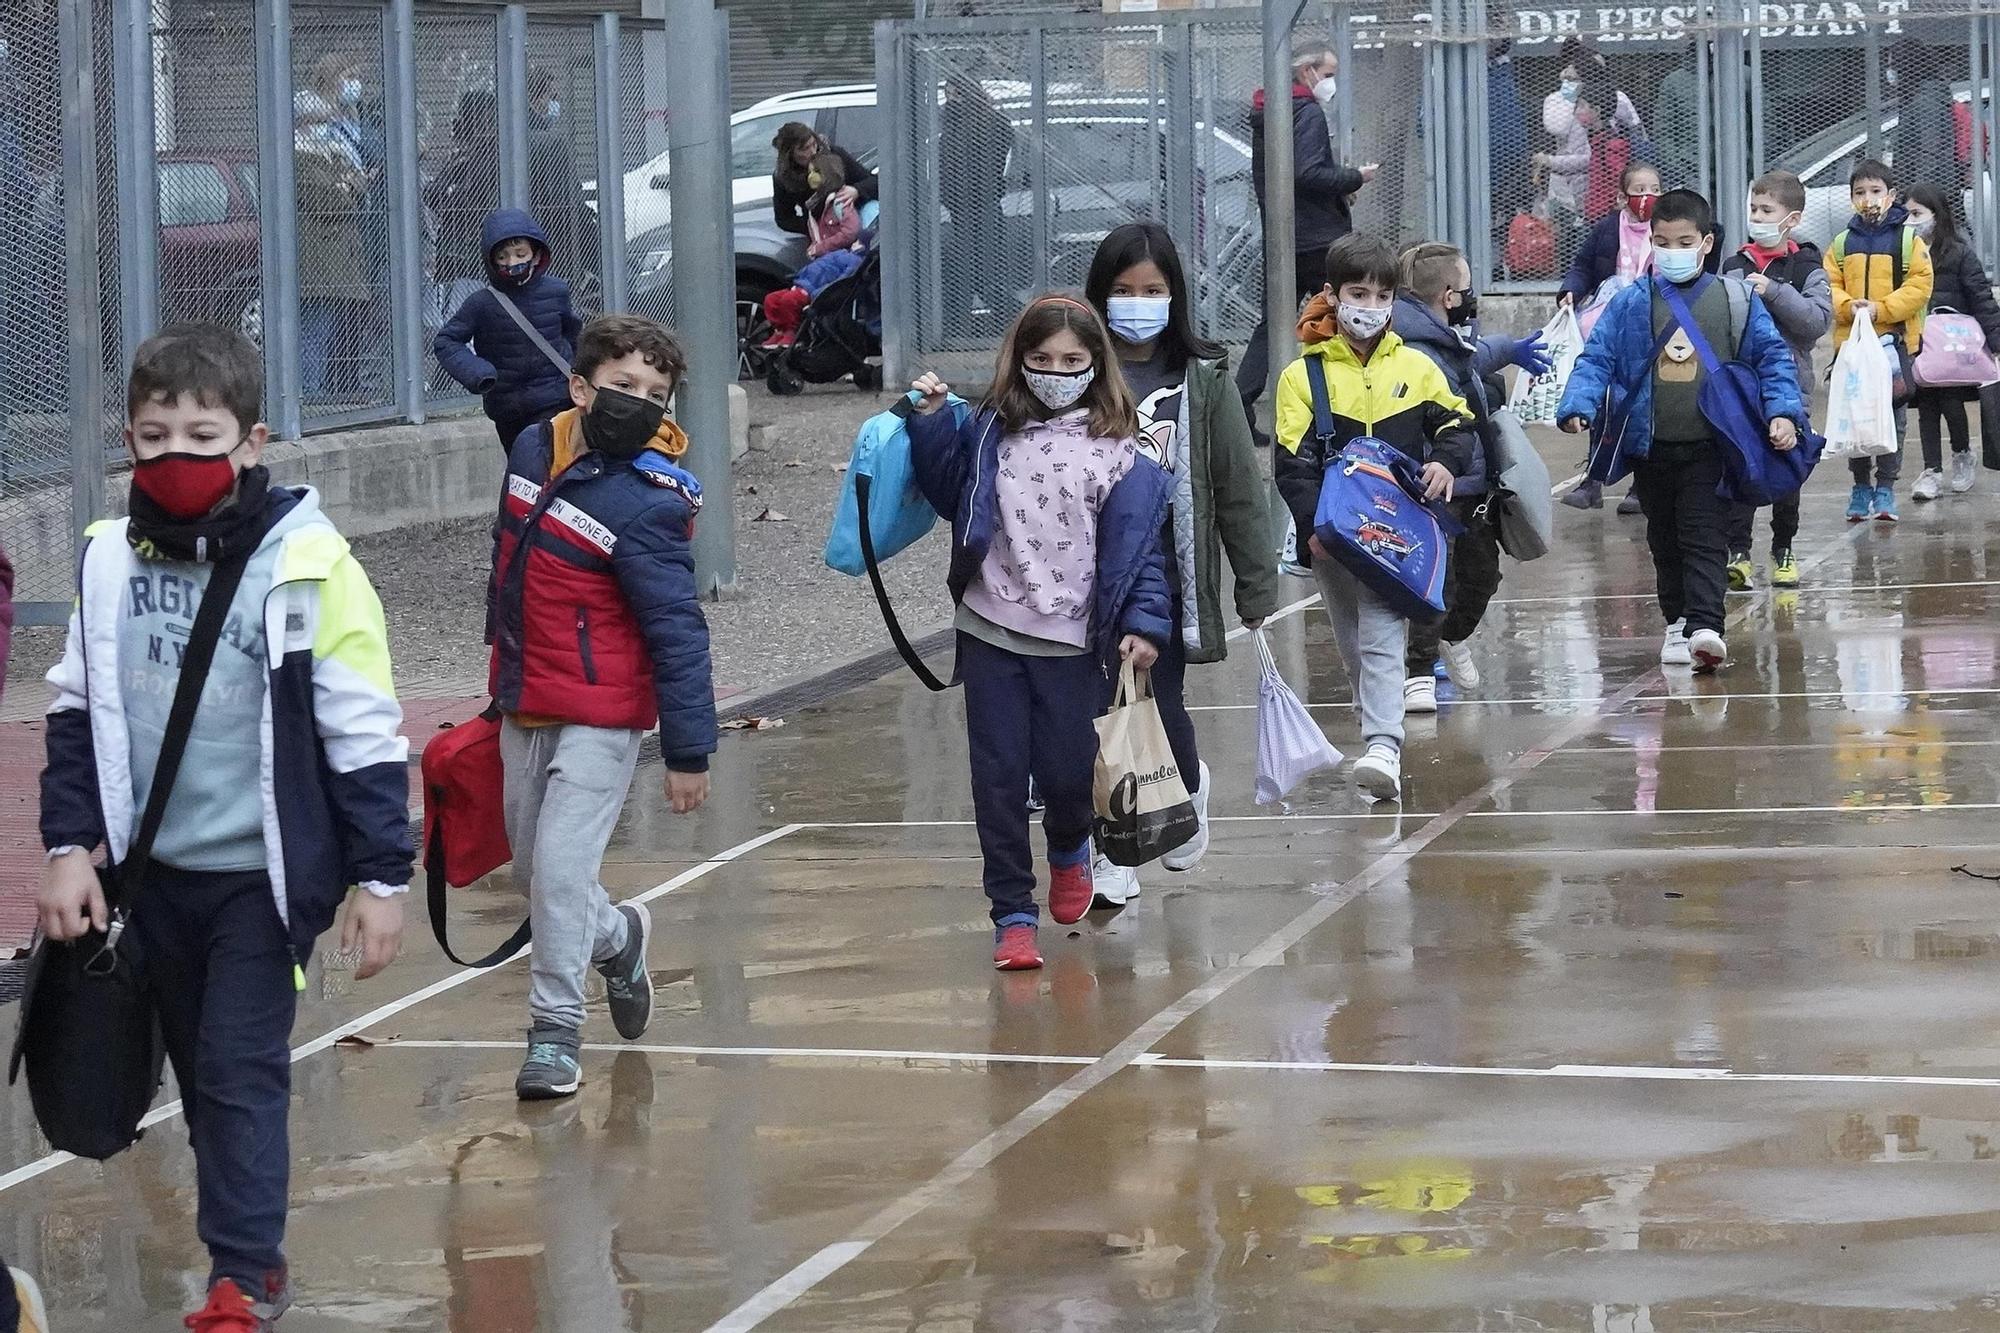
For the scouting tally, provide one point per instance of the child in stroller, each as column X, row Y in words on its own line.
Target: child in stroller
column 828, row 323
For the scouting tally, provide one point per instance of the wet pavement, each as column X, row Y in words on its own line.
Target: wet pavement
column 1658, row 1006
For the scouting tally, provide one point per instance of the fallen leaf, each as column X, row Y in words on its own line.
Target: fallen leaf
column 770, row 515
column 356, row 1041
column 795, row 462
column 753, row 724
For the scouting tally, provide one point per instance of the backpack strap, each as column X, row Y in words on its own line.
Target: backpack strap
column 1905, row 256
column 863, row 483
column 527, row 326
column 435, row 890
column 1323, row 427
column 1683, row 318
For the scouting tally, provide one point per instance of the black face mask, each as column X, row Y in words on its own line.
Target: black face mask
column 1465, row 311
column 619, row 425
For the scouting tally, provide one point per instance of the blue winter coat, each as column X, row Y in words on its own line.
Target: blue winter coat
column 1616, row 365
column 483, row 349
column 1466, row 366
column 958, row 468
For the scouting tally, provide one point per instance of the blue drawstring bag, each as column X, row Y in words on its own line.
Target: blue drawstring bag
column 882, row 484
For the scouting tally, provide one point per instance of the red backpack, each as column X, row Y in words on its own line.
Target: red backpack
column 465, row 831
column 1608, row 159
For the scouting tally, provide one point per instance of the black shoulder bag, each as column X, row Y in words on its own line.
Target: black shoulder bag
column 88, row 1033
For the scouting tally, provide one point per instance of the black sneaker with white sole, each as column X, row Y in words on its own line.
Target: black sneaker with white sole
column 628, row 986
column 551, row 1069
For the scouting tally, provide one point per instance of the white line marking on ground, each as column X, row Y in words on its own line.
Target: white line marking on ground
column 1462, row 701
column 1839, row 590
column 831, row 1259
column 1391, row 812
column 416, row 997
column 754, row 1052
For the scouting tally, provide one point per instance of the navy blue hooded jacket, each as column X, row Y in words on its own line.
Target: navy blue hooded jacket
column 482, row 348
column 1321, row 182
column 958, row 469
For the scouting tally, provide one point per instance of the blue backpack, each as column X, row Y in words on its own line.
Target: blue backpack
column 1753, row 473
column 1373, row 519
column 882, row 512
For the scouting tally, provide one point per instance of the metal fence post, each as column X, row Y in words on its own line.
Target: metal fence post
column 1441, row 145
column 900, row 224
column 277, row 208
column 611, row 165
column 406, row 223
column 80, row 240
column 510, row 86
column 1731, row 167
column 704, row 271
column 1038, row 154
column 1480, row 143
column 1986, row 134
column 1280, row 258
column 1343, row 89
column 1704, row 116
column 136, row 143
column 1871, row 67
column 1753, row 38
column 1181, row 171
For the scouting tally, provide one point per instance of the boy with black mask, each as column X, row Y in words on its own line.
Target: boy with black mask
column 293, row 794
column 512, row 340
column 597, row 634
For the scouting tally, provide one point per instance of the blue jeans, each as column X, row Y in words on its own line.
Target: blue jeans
column 219, row 963
column 318, row 322
column 1028, row 715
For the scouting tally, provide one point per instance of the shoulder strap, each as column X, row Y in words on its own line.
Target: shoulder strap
column 527, row 326
column 216, row 598
column 1906, row 254
column 435, row 891
column 862, row 484
column 1684, row 318
column 1323, row 426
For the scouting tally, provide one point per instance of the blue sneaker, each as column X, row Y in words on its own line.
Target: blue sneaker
column 551, row 1069
column 1885, row 504
column 628, row 987
column 1859, row 501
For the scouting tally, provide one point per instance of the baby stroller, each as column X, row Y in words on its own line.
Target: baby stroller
column 841, row 330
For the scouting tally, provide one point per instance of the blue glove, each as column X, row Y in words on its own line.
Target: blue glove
column 1531, row 356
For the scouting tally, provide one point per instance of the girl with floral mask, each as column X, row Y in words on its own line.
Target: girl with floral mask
column 1057, row 570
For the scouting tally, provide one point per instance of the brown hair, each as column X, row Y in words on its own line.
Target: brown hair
column 1429, row 267
column 615, row 337
column 1783, row 186
column 216, row 367
column 832, row 175
column 1113, row 414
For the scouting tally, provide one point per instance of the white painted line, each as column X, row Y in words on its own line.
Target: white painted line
column 1835, row 591
column 1464, row 701
column 831, row 1259
column 416, row 997
column 1391, row 812
column 754, row 1052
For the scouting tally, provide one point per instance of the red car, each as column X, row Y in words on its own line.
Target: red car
column 210, row 257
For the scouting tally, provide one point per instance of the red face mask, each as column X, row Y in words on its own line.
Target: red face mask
column 1642, row 206
column 185, row 486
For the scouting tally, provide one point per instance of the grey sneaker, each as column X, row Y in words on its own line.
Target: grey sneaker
column 1962, row 475
column 627, row 983
column 551, row 1069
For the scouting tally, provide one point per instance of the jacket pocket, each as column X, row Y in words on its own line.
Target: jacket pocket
column 583, row 646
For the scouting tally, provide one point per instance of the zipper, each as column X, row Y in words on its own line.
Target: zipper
column 583, row 645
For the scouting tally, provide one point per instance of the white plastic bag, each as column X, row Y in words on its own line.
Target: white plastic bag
column 1534, row 397
column 1861, row 397
column 1290, row 745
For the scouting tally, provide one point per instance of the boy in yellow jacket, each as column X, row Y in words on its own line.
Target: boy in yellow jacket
column 1881, row 266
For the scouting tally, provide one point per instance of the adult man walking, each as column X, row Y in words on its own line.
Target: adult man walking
column 1321, row 186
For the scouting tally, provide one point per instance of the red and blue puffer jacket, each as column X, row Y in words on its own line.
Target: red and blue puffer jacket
column 596, row 622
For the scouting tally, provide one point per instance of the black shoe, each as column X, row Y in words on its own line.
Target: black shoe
column 627, row 984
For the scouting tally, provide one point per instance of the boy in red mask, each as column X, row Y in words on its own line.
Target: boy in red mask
column 293, row 794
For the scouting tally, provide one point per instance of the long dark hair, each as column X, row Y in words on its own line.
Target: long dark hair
column 1113, row 415
column 1944, row 238
column 791, row 136
column 1136, row 243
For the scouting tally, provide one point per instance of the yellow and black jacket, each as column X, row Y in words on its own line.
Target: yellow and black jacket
column 1400, row 397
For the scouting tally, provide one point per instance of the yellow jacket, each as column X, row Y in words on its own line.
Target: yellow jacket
column 1861, row 266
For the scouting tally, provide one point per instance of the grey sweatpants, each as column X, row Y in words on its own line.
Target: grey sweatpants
column 1371, row 638
column 565, row 787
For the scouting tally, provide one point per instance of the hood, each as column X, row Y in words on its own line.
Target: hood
column 1418, row 324
column 1301, row 97
column 669, row 442
column 297, row 507
column 1894, row 218
column 506, row 224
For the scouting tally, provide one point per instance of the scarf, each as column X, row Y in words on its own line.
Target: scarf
column 1635, row 245
column 1763, row 258
column 232, row 530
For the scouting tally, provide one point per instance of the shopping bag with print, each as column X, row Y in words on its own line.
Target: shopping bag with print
column 1142, row 807
column 1860, row 401
column 1290, row 745
column 1534, row 397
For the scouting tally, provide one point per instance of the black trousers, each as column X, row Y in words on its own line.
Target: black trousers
column 1784, row 525
column 1938, row 410
column 1687, row 528
column 1310, row 275
column 1471, row 577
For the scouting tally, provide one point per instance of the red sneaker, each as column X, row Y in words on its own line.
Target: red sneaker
column 1070, row 892
column 1015, row 950
column 228, row 1311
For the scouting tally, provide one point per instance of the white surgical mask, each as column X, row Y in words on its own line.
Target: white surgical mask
column 1677, row 266
column 1571, row 89
column 555, row 111
column 1363, row 321
column 1138, row 319
column 1325, row 89
column 1923, row 228
column 1059, row 392
column 1766, row 235
column 350, row 92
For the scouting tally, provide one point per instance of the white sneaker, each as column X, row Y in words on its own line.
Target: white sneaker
column 1288, row 555
column 1674, row 651
column 1420, row 695
column 1962, row 474
column 1460, row 665
column 1929, row 482
column 1708, row 651
column 1111, row 886
column 1188, row 855
column 1379, row 774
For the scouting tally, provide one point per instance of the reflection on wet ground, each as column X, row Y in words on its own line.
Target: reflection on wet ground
column 1657, row 1006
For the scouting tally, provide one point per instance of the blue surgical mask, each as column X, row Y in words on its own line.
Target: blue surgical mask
column 350, row 92
column 1138, row 319
column 1677, row 266
column 555, row 110
column 1571, row 89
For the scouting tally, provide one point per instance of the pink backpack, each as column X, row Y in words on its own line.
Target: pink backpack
column 1953, row 352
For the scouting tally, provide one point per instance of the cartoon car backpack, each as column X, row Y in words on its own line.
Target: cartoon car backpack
column 1372, row 518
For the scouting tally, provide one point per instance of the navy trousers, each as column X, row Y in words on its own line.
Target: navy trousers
column 219, row 963
column 1028, row 715
column 1170, row 693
